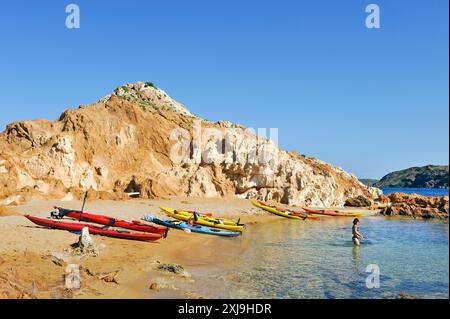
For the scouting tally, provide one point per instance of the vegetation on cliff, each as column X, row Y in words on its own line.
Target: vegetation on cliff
column 431, row 176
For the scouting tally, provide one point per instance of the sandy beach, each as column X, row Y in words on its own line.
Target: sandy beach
column 30, row 259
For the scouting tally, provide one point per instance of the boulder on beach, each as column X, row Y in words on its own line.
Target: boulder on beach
column 110, row 277
column 155, row 286
column 85, row 245
column 359, row 201
column 174, row 269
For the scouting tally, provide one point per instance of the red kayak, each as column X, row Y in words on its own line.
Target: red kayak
column 110, row 221
column 93, row 229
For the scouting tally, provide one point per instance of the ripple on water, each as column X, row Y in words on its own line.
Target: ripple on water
column 318, row 260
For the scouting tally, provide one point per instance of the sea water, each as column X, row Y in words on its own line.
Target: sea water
column 420, row 191
column 317, row 259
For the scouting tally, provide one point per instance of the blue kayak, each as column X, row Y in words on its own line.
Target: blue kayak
column 194, row 228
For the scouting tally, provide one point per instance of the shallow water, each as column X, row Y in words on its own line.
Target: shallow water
column 290, row 259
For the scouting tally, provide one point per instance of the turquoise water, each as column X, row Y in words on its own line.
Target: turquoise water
column 421, row 191
column 289, row 259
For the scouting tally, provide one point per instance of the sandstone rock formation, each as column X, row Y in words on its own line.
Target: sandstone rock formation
column 414, row 205
column 127, row 142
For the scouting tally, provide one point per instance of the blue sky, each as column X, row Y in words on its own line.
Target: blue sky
column 370, row 101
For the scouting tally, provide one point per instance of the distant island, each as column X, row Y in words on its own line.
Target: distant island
column 430, row 176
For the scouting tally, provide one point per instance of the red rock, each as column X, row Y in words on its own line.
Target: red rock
column 414, row 205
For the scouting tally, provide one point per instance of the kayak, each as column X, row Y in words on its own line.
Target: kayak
column 331, row 213
column 93, row 229
column 194, row 228
column 291, row 212
column 110, row 221
column 277, row 212
column 202, row 220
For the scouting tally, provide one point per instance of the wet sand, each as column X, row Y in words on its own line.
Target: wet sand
column 28, row 270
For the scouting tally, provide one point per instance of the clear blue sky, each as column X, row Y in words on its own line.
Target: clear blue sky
column 371, row 101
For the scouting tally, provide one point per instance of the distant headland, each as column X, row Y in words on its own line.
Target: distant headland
column 430, row 176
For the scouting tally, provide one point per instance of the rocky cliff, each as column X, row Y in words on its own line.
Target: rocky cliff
column 126, row 142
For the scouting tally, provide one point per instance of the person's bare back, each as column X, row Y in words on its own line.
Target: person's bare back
column 357, row 236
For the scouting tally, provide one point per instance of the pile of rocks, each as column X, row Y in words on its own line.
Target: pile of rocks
column 413, row 205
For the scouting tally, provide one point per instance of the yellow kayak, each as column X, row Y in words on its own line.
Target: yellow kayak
column 275, row 211
column 331, row 213
column 203, row 219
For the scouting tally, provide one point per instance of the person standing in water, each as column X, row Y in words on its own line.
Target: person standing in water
column 357, row 236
